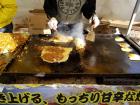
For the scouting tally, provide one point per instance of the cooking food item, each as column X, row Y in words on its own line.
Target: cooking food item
column 55, row 54
column 124, row 45
column 127, row 49
column 119, row 39
column 134, row 56
column 7, row 43
column 80, row 43
column 20, row 38
column 61, row 39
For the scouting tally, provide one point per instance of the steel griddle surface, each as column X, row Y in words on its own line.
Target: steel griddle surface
column 103, row 56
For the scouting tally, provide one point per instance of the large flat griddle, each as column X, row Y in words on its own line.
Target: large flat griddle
column 104, row 56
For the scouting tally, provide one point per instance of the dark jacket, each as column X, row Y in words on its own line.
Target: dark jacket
column 88, row 9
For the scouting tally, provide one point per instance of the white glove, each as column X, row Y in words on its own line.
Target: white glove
column 53, row 23
column 94, row 21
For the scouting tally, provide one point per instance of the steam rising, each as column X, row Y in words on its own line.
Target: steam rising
column 74, row 30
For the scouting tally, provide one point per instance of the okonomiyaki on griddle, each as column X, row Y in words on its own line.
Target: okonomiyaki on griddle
column 55, row 54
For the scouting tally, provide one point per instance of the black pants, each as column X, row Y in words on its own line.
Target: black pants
column 7, row 29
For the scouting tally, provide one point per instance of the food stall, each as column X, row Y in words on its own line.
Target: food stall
column 111, row 59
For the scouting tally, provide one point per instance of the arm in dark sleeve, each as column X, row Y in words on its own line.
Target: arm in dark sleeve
column 50, row 7
column 89, row 8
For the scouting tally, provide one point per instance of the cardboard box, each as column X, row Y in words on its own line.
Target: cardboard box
column 38, row 21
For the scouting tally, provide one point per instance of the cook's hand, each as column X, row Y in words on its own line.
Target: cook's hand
column 94, row 21
column 53, row 23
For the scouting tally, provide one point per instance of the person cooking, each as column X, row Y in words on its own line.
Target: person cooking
column 72, row 13
column 7, row 12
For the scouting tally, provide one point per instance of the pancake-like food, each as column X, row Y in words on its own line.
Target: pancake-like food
column 20, row 38
column 127, row 49
column 119, row 39
column 7, row 43
column 55, row 54
column 124, row 45
column 134, row 57
column 61, row 39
